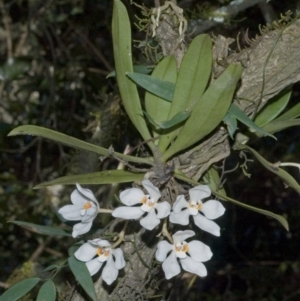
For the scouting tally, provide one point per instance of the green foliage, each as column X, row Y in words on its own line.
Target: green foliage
column 46, row 230
column 209, row 111
column 83, row 276
column 274, row 108
column 168, row 124
column 70, row 141
column 192, row 80
column 47, row 292
column 121, row 33
column 19, row 290
column 96, row 178
column 241, row 116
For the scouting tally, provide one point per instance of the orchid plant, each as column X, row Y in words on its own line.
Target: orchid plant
column 168, row 185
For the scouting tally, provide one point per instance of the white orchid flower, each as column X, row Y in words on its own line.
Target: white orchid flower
column 155, row 211
column 97, row 252
column 84, row 209
column 203, row 213
column 190, row 255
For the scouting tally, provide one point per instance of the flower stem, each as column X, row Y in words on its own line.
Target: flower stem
column 121, row 236
column 105, row 210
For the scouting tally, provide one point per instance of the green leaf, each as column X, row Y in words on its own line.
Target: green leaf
column 231, row 123
column 154, row 85
column 176, row 120
column 136, row 68
column 121, row 33
column 50, row 268
column 46, row 230
column 179, row 175
column 209, row 111
column 96, row 178
column 192, row 80
column 273, row 108
column 242, row 117
column 20, row 289
column 294, row 112
column 47, row 292
column 83, row 276
column 73, row 142
column 276, row 126
column 156, row 106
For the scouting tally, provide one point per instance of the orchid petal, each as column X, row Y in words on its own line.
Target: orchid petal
column 110, row 272
column 150, row 221
column 181, row 236
column 193, row 267
column 171, row 266
column 132, row 196
column 102, row 243
column 207, row 225
column 163, row 248
column 77, row 198
column 163, row 209
column 86, row 252
column 70, row 212
column 119, row 258
column 212, row 209
column 181, row 218
column 90, row 214
column 81, row 228
column 199, row 251
column 199, row 192
column 87, row 194
column 128, row 212
column 152, row 190
column 180, row 204
column 94, row 266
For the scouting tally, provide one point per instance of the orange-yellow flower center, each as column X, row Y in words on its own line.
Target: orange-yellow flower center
column 147, row 200
column 183, row 247
column 87, row 205
column 102, row 251
column 195, row 205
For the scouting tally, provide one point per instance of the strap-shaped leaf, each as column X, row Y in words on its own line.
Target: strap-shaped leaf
column 274, row 108
column 47, row 292
column 193, row 77
column 136, row 68
column 242, row 117
column 276, row 126
column 20, row 289
column 156, row 106
column 73, row 142
column 46, row 230
column 121, row 33
column 209, row 111
column 82, row 275
column 96, row 178
column 292, row 113
column 167, row 124
column 179, row 175
column 231, row 123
